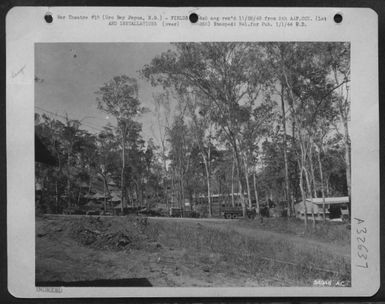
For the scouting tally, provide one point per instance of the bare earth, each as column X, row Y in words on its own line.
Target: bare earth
column 62, row 255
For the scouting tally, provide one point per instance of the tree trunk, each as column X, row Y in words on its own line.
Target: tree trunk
column 68, row 194
column 348, row 163
column 146, row 201
column 57, row 174
column 68, row 181
column 247, row 182
column 172, row 188
column 165, row 174
column 296, row 173
column 208, row 183
column 312, row 171
column 302, row 168
column 136, row 195
column 165, row 192
column 123, row 198
column 301, row 165
column 141, row 201
column 181, row 194
column 238, row 162
column 180, row 182
column 104, row 191
column 322, row 184
column 56, row 197
column 302, row 192
column 243, row 199
column 290, row 207
column 232, row 183
column 256, row 193
column 343, row 108
column 308, row 186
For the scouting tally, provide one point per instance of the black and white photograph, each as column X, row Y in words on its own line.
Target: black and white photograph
column 192, row 152
column 193, row 164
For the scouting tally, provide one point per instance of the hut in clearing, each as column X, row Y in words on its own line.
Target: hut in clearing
column 336, row 208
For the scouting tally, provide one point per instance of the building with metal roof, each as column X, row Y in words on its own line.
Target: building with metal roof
column 335, row 208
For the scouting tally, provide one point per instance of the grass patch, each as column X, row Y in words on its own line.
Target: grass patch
column 281, row 261
column 336, row 233
column 204, row 254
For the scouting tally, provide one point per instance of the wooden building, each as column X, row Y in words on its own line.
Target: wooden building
column 336, row 208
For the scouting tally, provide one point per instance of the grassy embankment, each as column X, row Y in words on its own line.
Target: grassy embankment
column 230, row 253
column 287, row 261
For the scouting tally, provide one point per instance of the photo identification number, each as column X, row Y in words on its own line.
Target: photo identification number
column 362, row 250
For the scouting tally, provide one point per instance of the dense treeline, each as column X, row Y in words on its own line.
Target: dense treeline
column 266, row 120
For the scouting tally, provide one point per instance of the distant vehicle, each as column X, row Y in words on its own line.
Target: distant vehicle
column 192, row 214
column 73, row 211
column 150, row 212
column 93, row 212
column 176, row 212
column 237, row 212
column 106, row 213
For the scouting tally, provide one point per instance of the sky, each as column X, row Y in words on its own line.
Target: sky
column 69, row 74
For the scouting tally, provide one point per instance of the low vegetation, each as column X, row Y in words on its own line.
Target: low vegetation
column 336, row 233
column 184, row 253
column 283, row 260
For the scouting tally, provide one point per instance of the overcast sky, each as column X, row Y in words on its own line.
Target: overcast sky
column 71, row 73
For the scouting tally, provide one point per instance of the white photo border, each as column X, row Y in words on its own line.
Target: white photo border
column 26, row 26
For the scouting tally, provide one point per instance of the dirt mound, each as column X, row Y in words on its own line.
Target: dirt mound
column 123, row 234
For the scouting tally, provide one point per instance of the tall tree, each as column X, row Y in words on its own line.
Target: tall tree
column 70, row 138
column 50, row 132
column 162, row 111
column 202, row 131
column 308, row 87
column 108, row 158
column 119, row 97
column 180, row 141
column 277, row 53
column 257, row 128
column 339, row 56
column 226, row 73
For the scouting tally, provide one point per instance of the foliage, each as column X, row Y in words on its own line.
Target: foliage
column 269, row 119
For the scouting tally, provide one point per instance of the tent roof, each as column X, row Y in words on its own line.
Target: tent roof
column 115, row 199
column 111, row 183
column 331, row 200
column 99, row 195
